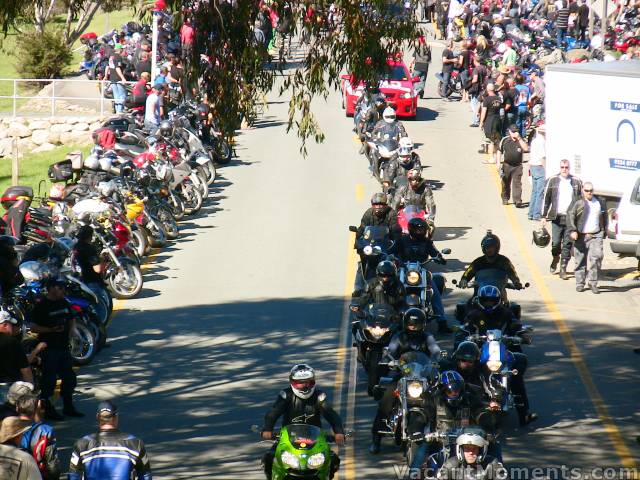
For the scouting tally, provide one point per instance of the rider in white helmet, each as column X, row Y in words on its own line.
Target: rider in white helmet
column 471, row 455
column 389, row 125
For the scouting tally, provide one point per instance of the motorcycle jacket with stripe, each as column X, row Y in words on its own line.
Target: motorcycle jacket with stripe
column 109, row 455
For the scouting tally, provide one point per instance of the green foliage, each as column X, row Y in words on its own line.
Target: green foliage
column 43, row 56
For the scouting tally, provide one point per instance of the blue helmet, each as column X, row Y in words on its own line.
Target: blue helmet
column 452, row 386
column 489, row 298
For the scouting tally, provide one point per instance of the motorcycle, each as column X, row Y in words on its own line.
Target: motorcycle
column 373, row 247
column 419, row 283
column 371, row 334
column 454, row 85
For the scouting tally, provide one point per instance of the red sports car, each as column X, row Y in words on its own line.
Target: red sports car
column 400, row 89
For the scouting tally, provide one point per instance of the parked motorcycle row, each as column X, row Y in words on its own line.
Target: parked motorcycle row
column 410, row 382
column 133, row 189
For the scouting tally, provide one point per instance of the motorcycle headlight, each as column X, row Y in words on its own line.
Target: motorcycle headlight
column 413, row 277
column 406, row 95
column 377, row 332
column 414, row 389
column 368, row 250
column 494, row 365
column 290, row 460
column 316, row 460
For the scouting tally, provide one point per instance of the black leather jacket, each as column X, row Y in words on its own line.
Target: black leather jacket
column 551, row 195
column 394, row 130
column 402, row 342
column 390, row 219
column 421, row 197
column 416, row 249
column 501, row 262
column 294, row 409
column 488, row 469
column 447, row 416
column 375, row 292
column 394, row 168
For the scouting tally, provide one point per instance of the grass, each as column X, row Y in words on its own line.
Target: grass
column 33, row 167
column 101, row 23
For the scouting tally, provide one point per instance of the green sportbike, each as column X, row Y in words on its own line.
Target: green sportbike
column 303, row 452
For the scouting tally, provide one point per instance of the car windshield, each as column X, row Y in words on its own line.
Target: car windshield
column 396, row 73
column 303, row 435
column 492, row 276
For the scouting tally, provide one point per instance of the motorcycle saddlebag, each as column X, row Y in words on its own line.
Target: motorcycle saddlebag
column 61, row 171
column 15, row 194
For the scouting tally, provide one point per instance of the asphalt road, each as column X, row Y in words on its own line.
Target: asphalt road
column 261, row 281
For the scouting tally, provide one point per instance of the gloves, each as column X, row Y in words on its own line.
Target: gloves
column 517, row 285
column 440, row 259
column 463, row 283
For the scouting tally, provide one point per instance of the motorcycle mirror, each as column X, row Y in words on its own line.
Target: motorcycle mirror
column 446, row 251
column 353, row 229
column 526, row 285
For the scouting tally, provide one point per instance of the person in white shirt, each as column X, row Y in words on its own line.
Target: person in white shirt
column 537, row 158
column 587, row 223
column 559, row 192
column 153, row 108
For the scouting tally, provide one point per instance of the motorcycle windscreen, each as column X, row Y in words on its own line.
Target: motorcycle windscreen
column 492, row 276
column 303, row 435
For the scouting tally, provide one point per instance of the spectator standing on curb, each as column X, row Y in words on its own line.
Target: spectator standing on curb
column 116, row 77
column 421, row 58
column 521, row 103
column 562, row 23
column 560, row 192
column 512, row 148
column 478, row 80
column 537, row 161
column 490, row 120
column 587, row 223
column 187, row 36
column 448, row 64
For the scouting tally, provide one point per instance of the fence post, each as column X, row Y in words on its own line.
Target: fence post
column 53, row 99
column 15, row 92
column 15, row 164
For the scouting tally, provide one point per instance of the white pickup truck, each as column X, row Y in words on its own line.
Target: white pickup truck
column 624, row 226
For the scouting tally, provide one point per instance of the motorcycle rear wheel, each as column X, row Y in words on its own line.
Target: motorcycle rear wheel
column 82, row 343
column 211, row 173
column 139, row 242
column 192, row 199
column 127, row 282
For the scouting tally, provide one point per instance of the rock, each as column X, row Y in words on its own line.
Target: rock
column 39, row 125
column 20, row 120
column 81, row 127
column 74, row 138
column 25, row 145
column 39, row 136
column 17, row 129
column 4, row 133
column 53, row 137
column 61, row 127
column 45, row 147
column 95, row 126
column 6, row 147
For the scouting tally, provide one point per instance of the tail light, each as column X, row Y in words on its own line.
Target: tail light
column 76, row 308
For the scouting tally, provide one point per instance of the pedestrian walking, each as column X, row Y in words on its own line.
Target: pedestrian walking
column 115, row 75
column 537, row 160
column 560, row 192
column 512, row 147
column 109, row 453
column 587, row 223
column 490, row 121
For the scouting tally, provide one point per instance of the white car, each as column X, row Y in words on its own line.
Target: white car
column 624, row 227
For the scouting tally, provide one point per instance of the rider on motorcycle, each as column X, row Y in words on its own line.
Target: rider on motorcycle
column 412, row 337
column 490, row 245
column 416, row 192
column 418, row 247
column 384, row 288
column 399, row 166
column 465, row 361
column 379, row 214
column 389, row 127
column 301, row 402
column 471, row 456
column 489, row 313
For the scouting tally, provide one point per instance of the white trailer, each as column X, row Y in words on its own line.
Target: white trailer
column 593, row 120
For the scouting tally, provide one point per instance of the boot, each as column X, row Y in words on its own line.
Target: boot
column 70, row 410
column 374, row 448
column 563, row 272
column 50, row 412
column 554, row 264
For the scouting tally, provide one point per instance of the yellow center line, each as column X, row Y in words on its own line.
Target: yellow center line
column 576, row 356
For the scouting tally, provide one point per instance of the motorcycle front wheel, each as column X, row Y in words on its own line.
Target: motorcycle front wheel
column 82, row 343
column 211, row 172
column 169, row 223
column 192, row 199
column 125, row 282
column 223, row 151
column 139, row 242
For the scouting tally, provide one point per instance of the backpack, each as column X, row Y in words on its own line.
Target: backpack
column 35, row 441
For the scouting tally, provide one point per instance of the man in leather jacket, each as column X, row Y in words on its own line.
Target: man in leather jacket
column 416, row 192
column 412, row 338
column 388, row 126
column 471, row 460
column 396, row 170
column 418, row 247
column 99, row 456
column 384, row 288
column 301, row 402
column 465, row 361
column 380, row 214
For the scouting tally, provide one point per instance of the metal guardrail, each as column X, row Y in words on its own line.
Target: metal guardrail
column 61, row 91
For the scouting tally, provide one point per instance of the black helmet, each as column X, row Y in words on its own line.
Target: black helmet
column 379, row 204
column 166, row 129
column 380, row 103
column 414, row 320
column 386, row 270
column 467, row 351
column 541, row 237
column 490, row 240
column 417, row 227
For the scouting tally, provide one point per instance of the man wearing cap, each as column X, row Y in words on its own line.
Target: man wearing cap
column 40, row 439
column 14, row 463
column 53, row 321
column 16, row 390
column 14, row 365
column 116, row 77
column 109, row 453
column 512, row 147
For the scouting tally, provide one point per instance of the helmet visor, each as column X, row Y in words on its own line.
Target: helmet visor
column 303, row 385
column 489, row 302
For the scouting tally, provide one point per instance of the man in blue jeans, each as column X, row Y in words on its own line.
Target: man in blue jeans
column 521, row 104
column 537, row 158
column 116, row 77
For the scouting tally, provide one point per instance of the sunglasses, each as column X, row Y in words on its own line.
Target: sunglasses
column 587, row 191
column 564, row 168
column 414, row 179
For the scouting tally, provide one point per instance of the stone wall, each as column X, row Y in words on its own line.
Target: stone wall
column 44, row 134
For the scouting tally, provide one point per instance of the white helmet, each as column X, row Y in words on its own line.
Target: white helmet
column 92, row 162
column 105, row 164
column 302, row 379
column 405, row 148
column 471, row 437
column 406, row 142
column 389, row 115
